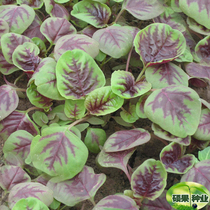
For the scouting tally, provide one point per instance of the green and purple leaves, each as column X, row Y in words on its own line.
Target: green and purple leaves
column 174, row 108
column 196, row 10
column 82, row 187
column 54, row 28
column 159, row 43
column 143, row 9
column 149, row 179
column 124, row 85
column 8, row 101
column 59, row 153
column 102, row 101
column 74, row 66
column 92, row 12
column 115, row 41
column 173, row 158
column 19, row 18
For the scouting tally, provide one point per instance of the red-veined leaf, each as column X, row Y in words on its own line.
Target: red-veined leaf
column 4, row 27
column 35, row 4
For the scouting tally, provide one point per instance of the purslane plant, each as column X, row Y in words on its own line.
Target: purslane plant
column 62, row 48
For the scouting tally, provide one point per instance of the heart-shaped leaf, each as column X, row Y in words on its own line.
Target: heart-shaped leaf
column 8, row 101
column 158, row 131
column 54, row 28
column 126, row 139
column 37, row 99
column 149, row 179
column 18, row 144
column 82, row 187
column 200, row 70
column 203, row 130
column 4, row 27
column 26, row 57
column 76, row 41
column 74, row 108
column 124, row 85
column 17, row 120
column 159, row 43
column 74, row 66
column 30, row 203
column 9, row 42
column 176, row 109
column 59, row 153
column 115, row 159
column 199, row 173
column 163, row 75
column 118, row 202
column 115, row 41
column 45, row 79
column 94, row 139
column 143, row 9
column 196, row 10
column 173, row 158
column 158, row 203
column 102, row 101
column 92, row 12
column 25, row 190
column 12, row 175
column 19, row 18
column 204, row 154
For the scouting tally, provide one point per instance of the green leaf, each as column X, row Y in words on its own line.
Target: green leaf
column 40, row 118
column 124, row 85
column 92, row 12
column 129, row 116
column 204, row 154
column 74, row 66
column 95, row 138
column 103, row 101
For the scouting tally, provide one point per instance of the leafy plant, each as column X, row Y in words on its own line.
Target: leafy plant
column 83, row 64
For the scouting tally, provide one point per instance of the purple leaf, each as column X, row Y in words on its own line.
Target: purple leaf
column 176, row 109
column 25, row 190
column 26, row 57
column 199, row 144
column 120, row 202
column 17, row 120
column 149, row 179
column 126, row 139
column 82, row 187
column 35, row 4
column 19, row 18
column 4, row 27
column 102, row 101
column 34, row 29
column 59, row 153
column 18, row 144
column 200, row 70
column 5, row 67
column 43, row 179
column 115, row 41
column 158, row 131
column 196, row 82
column 159, row 203
column 12, row 175
column 8, row 101
column 56, row 10
column 6, row 2
column 76, row 41
column 159, row 43
column 199, row 173
column 173, row 19
column 173, row 158
column 92, row 12
column 124, row 85
column 163, row 75
column 89, row 31
column 9, row 42
column 74, row 66
column 54, row 28
column 203, row 130
column 142, row 9
column 202, row 49
column 115, row 159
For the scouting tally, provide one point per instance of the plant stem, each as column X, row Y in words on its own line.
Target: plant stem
column 92, row 201
column 142, row 72
column 63, row 207
column 83, row 206
column 32, row 108
column 51, row 44
column 78, row 121
column 20, row 89
column 119, row 14
column 128, row 60
column 164, row 142
column 15, row 82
